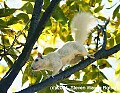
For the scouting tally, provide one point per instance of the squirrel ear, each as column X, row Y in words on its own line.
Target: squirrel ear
column 39, row 55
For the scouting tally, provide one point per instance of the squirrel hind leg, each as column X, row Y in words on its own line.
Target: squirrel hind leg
column 76, row 59
column 90, row 56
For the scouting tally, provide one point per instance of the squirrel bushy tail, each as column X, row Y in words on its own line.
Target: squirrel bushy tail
column 81, row 25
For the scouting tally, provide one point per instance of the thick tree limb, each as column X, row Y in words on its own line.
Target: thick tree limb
column 35, row 18
column 6, row 82
column 100, row 54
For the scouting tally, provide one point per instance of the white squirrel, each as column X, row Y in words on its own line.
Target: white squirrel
column 72, row 51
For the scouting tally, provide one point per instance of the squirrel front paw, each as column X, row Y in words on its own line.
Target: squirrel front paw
column 90, row 56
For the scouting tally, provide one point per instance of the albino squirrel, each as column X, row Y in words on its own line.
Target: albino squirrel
column 72, row 51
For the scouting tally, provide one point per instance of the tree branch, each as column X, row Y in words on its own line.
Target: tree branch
column 102, row 29
column 6, row 82
column 48, row 82
column 35, row 18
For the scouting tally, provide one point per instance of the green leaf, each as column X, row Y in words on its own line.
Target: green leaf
column 48, row 90
column 69, row 38
column 6, row 12
column 116, row 11
column 117, row 70
column 98, row 1
column 2, row 24
column 5, row 40
column 98, row 9
column 33, row 77
column 89, row 40
column 8, row 61
column 102, row 18
column 8, row 31
column 46, row 3
column 77, row 75
column 90, row 75
column 117, row 38
column 13, row 54
column 48, row 50
column 23, row 16
column 3, row 69
column 103, row 63
column 92, row 3
column 110, row 42
column 59, row 15
column 12, row 20
column 20, row 17
column 25, row 76
column 28, row 8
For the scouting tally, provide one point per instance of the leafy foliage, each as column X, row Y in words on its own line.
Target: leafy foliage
column 14, row 25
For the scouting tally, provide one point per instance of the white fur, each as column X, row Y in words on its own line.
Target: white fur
column 81, row 25
column 72, row 51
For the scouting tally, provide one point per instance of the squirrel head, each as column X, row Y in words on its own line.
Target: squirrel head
column 39, row 63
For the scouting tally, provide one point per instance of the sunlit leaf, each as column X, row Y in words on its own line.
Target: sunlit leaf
column 117, row 70
column 118, row 55
column 48, row 50
column 9, row 32
column 3, row 69
column 117, row 38
column 28, row 8
column 25, row 75
column 33, row 77
column 89, row 40
column 98, row 9
column 5, row 40
column 92, row 3
column 17, row 26
column 110, row 43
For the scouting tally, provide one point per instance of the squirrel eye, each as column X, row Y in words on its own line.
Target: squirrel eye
column 36, row 60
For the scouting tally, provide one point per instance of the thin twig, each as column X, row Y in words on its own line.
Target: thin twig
column 98, row 39
column 103, row 30
column 15, row 38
